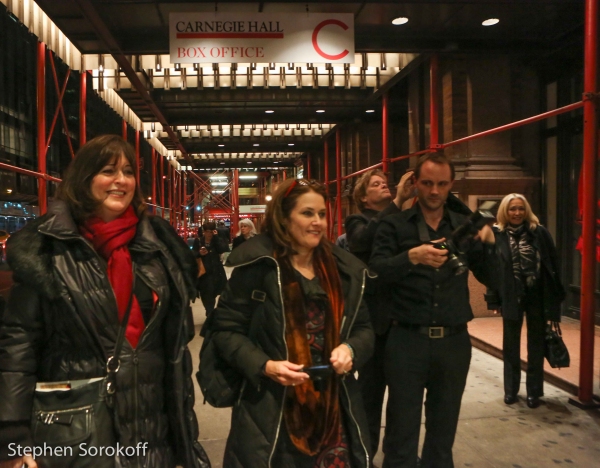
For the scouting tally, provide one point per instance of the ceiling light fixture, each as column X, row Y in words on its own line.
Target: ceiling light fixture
column 221, row 145
column 269, row 111
column 255, row 144
column 400, row 20
column 290, row 144
column 370, row 111
column 320, row 111
column 490, row 22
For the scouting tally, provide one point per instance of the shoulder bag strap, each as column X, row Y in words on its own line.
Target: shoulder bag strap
column 113, row 363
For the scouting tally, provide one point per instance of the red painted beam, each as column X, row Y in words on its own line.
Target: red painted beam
column 384, row 131
column 338, row 176
column 590, row 153
column 27, row 172
column 82, row 108
column 41, row 126
column 434, row 136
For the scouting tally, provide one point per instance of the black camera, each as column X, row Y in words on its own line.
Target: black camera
column 458, row 242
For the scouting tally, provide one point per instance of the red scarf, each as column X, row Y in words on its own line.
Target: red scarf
column 110, row 240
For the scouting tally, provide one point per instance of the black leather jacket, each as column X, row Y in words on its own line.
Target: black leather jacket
column 61, row 323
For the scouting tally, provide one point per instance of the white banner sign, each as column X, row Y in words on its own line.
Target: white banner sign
column 257, row 37
column 252, row 209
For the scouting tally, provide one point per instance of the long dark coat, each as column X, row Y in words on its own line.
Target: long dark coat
column 61, row 323
column 552, row 290
column 249, row 326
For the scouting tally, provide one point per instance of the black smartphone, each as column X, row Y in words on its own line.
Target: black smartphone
column 318, row 372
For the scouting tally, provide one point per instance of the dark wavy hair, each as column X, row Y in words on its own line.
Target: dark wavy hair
column 76, row 187
column 279, row 209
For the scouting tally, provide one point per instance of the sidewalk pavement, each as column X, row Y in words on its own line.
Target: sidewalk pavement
column 490, row 434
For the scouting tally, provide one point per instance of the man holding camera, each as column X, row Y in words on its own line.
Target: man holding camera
column 428, row 346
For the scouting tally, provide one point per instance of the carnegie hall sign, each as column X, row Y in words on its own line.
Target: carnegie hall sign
column 257, row 37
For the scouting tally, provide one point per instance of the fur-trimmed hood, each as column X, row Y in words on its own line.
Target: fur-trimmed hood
column 29, row 251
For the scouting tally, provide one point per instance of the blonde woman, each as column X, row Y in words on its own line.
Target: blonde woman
column 530, row 287
column 247, row 230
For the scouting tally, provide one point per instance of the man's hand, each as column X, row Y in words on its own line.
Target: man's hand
column 285, row 373
column 427, row 254
column 404, row 190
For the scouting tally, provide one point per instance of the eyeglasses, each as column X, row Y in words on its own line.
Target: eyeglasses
column 306, row 182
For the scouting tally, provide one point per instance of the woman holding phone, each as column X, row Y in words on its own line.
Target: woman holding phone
column 293, row 323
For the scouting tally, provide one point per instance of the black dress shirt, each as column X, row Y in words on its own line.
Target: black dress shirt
column 422, row 294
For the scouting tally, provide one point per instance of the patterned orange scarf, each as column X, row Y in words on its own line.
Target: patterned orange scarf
column 312, row 418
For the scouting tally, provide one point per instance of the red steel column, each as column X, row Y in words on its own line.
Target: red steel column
column 41, row 124
column 338, row 176
column 153, row 179
column 308, row 171
column 162, row 186
column 82, row 108
column 384, row 136
column 170, row 192
column 433, row 102
column 124, row 130
column 326, row 182
column 235, row 201
column 137, row 155
column 588, row 257
column 183, row 208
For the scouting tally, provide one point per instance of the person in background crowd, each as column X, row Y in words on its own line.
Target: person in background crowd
column 530, row 286
column 77, row 269
column 428, row 346
column 294, row 301
column 374, row 200
column 247, row 230
column 342, row 241
column 224, row 232
column 210, row 247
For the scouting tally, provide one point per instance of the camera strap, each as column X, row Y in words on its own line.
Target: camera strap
column 424, row 236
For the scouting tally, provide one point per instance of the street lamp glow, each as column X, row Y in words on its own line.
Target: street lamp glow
column 490, row 22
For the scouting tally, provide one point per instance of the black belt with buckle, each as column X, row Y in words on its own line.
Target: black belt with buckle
column 432, row 332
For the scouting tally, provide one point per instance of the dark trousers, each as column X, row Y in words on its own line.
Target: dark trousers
column 511, row 346
column 371, row 379
column 208, row 294
column 413, row 363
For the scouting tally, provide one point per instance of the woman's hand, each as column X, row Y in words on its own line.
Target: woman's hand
column 341, row 359
column 19, row 462
column 285, row 373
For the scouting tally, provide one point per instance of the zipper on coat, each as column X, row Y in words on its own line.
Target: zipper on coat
column 136, row 402
column 356, row 424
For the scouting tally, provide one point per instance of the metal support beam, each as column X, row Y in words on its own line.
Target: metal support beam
column 308, row 168
column 434, row 137
column 384, row 131
column 42, row 147
column 326, row 182
column 153, row 178
column 162, row 185
column 235, row 202
column 83, row 108
column 137, row 155
column 590, row 153
column 338, row 176
column 124, row 129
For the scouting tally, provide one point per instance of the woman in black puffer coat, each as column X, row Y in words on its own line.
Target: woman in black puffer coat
column 294, row 301
column 75, row 270
column 529, row 286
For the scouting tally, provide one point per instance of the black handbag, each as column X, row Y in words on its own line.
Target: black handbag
column 73, row 422
column 555, row 350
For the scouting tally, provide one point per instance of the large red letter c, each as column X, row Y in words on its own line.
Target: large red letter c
column 315, row 33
